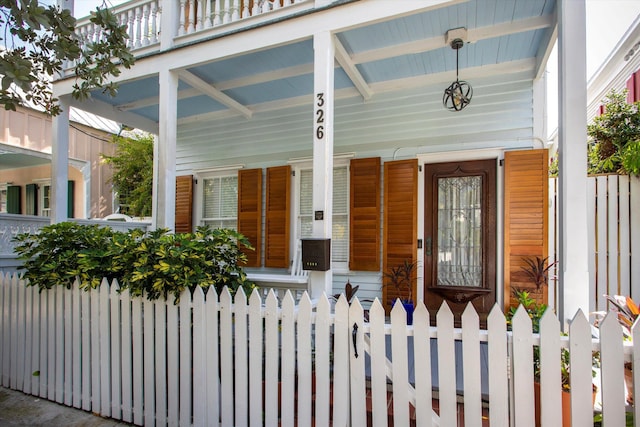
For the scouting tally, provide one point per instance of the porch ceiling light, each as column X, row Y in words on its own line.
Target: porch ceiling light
column 458, row 94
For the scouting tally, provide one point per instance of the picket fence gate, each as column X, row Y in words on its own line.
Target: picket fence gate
column 221, row 361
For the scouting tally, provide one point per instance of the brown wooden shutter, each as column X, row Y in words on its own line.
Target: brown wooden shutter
column 364, row 217
column 631, row 88
column 250, row 212
column 526, row 226
column 636, row 86
column 184, row 204
column 277, row 217
column 400, row 220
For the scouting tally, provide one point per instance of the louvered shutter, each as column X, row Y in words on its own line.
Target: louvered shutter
column 71, row 185
column 631, row 89
column 340, row 216
column 250, row 212
column 364, row 225
column 526, row 218
column 31, row 191
column 184, row 204
column 277, row 217
column 13, row 199
column 400, row 220
column 636, row 86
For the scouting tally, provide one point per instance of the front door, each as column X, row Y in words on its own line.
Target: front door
column 460, row 235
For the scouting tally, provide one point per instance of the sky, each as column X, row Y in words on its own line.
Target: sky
column 607, row 21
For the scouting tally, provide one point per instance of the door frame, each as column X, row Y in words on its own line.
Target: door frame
column 477, row 154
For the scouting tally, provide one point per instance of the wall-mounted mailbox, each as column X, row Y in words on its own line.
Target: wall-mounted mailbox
column 316, row 254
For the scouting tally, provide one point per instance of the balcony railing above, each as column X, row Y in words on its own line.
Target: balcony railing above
column 144, row 19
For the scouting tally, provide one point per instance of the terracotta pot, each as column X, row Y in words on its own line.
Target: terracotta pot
column 565, row 405
column 628, row 381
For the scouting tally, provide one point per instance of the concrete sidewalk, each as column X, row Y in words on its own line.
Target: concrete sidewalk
column 19, row 409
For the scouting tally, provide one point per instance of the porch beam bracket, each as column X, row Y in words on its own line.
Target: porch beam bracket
column 350, row 68
column 209, row 90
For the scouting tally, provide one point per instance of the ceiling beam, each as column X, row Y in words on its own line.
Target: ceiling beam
column 350, row 68
column 513, row 67
column 211, row 91
column 473, row 35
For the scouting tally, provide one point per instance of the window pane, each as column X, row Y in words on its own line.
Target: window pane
column 220, row 202
column 306, row 192
column 459, row 231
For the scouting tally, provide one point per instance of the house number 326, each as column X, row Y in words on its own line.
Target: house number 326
column 319, row 116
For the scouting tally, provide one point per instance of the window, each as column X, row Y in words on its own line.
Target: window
column 340, row 229
column 3, row 198
column 220, row 201
column 45, row 200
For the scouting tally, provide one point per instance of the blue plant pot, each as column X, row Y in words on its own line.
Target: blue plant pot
column 408, row 307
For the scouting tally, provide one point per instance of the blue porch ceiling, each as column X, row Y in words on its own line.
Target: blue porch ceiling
column 500, row 32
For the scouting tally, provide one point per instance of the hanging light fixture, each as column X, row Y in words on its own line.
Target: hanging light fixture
column 458, row 94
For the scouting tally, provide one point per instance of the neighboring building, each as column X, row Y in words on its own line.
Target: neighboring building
column 25, row 164
column 325, row 119
column 621, row 70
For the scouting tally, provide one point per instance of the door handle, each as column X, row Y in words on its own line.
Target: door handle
column 354, row 336
column 428, row 246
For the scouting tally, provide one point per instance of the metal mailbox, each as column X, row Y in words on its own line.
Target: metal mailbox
column 316, row 254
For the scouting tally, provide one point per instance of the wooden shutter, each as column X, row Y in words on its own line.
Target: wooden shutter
column 31, row 191
column 14, row 203
column 631, row 89
column 636, row 86
column 250, row 212
column 277, row 217
column 184, row 204
column 526, row 223
column 400, row 220
column 364, row 218
column 71, row 185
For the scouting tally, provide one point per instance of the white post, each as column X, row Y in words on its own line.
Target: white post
column 164, row 186
column 323, row 76
column 572, row 87
column 169, row 22
column 60, row 164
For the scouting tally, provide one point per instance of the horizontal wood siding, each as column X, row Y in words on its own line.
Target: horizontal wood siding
column 364, row 219
column 250, row 212
column 409, row 119
column 277, row 217
column 526, row 218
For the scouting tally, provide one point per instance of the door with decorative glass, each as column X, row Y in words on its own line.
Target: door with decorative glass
column 460, row 235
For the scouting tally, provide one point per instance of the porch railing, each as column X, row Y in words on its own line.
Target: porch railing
column 206, row 358
column 144, row 21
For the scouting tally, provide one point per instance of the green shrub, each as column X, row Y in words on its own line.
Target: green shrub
column 156, row 263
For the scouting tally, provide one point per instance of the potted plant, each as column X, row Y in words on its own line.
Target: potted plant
column 401, row 277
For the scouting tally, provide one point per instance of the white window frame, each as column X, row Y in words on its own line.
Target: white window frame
column 307, row 164
column 3, row 197
column 201, row 177
column 42, row 183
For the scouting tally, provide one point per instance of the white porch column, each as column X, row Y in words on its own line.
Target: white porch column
column 573, row 287
column 59, row 197
column 322, row 281
column 164, row 160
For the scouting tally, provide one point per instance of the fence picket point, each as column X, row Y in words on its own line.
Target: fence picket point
column 357, row 368
column 287, row 360
column 446, row 371
column 612, row 371
column 522, row 367
column 272, row 354
column 341, row 337
column 550, row 380
column 304, row 361
column 580, row 375
column 377, row 351
column 173, row 367
column 185, row 357
column 212, row 362
column 498, row 368
column 199, row 364
column 255, row 359
column 472, row 385
column 126, row 376
column 241, row 358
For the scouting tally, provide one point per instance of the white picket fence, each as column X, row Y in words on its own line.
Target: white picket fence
column 213, row 361
column 613, row 212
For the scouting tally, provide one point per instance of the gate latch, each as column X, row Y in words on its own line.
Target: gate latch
column 354, row 336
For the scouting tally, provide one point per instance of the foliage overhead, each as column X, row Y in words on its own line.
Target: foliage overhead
column 154, row 264
column 133, row 172
column 615, row 137
column 39, row 41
